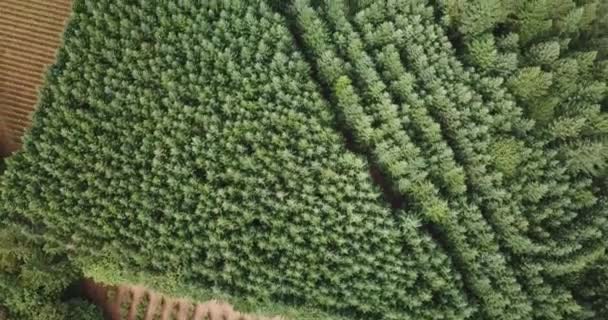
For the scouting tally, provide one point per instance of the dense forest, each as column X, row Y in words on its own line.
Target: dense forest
column 394, row 159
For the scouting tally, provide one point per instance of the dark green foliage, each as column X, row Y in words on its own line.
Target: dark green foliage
column 593, row 288
column 196, row 142
column 475, row 234
column 32, row 282
column 552, row 54
column 559, row 82
column 339, row 155
column 500, row 206
column 82, row 310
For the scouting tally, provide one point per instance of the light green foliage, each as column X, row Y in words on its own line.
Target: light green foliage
column 544, row 53
column 357, row 158
column 477, row 16
column 483, row 52
column 530, row 83
column 507, row 156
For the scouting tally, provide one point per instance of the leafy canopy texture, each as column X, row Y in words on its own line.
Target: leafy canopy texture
column 365, row 159
column 33, row 281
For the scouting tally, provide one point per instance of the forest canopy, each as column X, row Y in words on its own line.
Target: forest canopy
column 395, row 159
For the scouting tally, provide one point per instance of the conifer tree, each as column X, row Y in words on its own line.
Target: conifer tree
column 557, row 45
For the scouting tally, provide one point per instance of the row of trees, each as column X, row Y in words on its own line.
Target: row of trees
column 490, row 280
column 552, row 56
column 376, row 159
column 508, row 175
column 192, row 140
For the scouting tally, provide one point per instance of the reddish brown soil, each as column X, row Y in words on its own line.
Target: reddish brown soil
column 126, row 302
column 6, row 142
column 30, row 33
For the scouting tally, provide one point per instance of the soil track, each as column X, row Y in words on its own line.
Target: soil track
column 30, row 33
column 137, row 302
